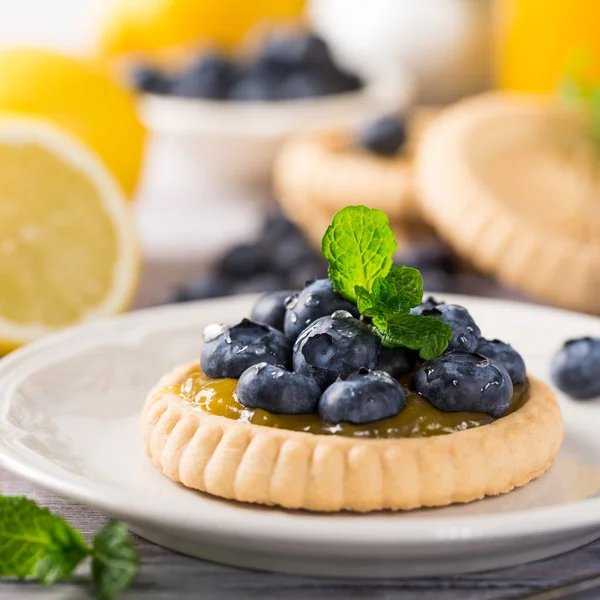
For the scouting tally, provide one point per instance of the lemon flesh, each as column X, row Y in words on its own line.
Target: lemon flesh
column 67, row 249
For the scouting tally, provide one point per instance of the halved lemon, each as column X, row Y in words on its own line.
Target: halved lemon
column 68, row 250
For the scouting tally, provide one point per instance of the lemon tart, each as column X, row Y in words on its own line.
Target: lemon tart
column 353, row 394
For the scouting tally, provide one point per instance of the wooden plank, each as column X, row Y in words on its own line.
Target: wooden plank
column 165, row 574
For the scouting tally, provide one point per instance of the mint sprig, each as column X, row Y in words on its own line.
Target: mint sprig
column 578, row 91
column 114, row 561
column 359, row 246
column 396, row 293
column 429, row 335
column 35, row 543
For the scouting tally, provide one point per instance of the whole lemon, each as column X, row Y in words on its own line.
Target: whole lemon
column 82, row 98
column 145, row 25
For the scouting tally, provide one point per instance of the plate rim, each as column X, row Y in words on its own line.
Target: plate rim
column 301, row 526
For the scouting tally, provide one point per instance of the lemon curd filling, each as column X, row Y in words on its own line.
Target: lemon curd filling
column 418, row 419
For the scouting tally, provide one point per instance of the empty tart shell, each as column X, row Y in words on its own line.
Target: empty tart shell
column 317, row 175
column 298, row 470
column 512, row 183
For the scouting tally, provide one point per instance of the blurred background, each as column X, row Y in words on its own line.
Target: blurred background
column 234, row 130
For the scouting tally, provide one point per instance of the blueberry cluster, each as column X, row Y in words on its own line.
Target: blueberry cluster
column 287, row 66
column 309, row 351
column 279, row 259
column 282, row 259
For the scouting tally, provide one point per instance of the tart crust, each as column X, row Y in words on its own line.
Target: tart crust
column 511, row 182
column 297, row 470
column 317, row 175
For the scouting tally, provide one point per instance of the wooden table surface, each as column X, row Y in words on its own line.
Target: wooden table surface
column 165, row 574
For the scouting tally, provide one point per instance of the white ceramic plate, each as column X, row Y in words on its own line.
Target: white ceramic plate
column 69, row 410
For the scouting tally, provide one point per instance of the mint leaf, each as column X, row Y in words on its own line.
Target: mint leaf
column 396, row 293
column 429, row 335
column 33, row 542
column 359, row 245
column 65, row 551
column 23, row 537
column 114, row 561
column 578, row 91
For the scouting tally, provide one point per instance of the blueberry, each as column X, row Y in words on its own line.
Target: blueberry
column 207, row 286
column 333, row 346
column 385, row 136
column 457, row 381
column 294, row 51
column 244, row 260
column 304, row 84
column 318, row 299
column 575, row 368
column 507, row 356
column 342, row 81
column 465, row 332
column 435, row 280
column 210, row 77
column 276, row 228
column 152, row 81
column 426, row 306
column 254, row 88
column 429, row 254
column 396, row 361
column 308, row 270
column 261, row 283
column 229, row 351
column 362, row 397
column 289, row 253
column 270, row 308
column 277, row 390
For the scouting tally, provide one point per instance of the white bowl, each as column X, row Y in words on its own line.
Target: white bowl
column 237, row 141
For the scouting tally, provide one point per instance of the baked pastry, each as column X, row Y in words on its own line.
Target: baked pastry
column 316, row 175
column 353, row 394
column 242, row 461
column 511, row 182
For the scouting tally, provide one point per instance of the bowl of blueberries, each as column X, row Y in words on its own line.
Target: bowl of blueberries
column 228, row 114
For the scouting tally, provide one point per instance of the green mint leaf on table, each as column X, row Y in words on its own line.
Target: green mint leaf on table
column 114, row 561
column 65, row 550
column 359, row 245
column 429, row 335
column 35, row 543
